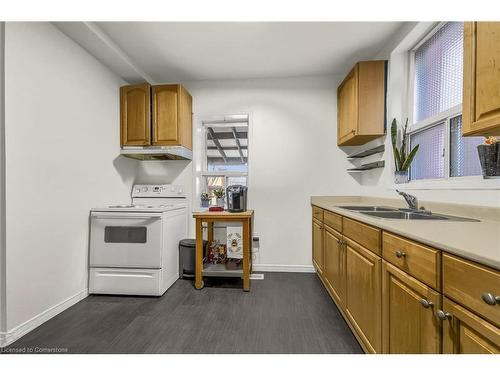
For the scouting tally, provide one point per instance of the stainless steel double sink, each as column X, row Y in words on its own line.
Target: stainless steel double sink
column 403, row 213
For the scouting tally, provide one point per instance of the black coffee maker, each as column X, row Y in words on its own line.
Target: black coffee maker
column 236, row 198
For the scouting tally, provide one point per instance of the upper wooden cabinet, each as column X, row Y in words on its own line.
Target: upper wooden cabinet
column 481, row 94
column 361, row 104
column 135, row 114
column 165, row 111
column 172, row 116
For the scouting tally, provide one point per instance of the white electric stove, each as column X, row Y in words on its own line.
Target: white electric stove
column 134, row 247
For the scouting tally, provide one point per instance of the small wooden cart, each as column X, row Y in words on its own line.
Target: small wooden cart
column 208, row 217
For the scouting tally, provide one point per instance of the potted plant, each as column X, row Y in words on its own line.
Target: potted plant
column 219, row 195
column 402, row 160
column 205, row 199
column 489, row 156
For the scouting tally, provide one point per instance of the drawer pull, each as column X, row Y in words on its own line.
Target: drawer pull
column 426, row 304
column 443, row 315
column 490, row 299
column 400, row 254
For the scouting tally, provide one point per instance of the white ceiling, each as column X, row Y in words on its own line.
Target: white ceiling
column 185, row 51
column 170, row 51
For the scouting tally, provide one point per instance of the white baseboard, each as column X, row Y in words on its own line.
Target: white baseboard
column 282, row 268
column 7, row 338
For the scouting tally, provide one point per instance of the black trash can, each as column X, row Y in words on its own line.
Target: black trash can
column 187, row 257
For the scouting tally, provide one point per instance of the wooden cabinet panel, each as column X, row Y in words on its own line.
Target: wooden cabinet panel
column 466, row 282
column 185, row 118
column 348, row 107
column 135, row 115
column 334, row 270
column 466, row 333
column 361, row 104
column 165, row 114
column 481, row 95
column 408, row 327
column 418, row 260
column 317, row 245
column 363, row 234
column 333, row 220
column 363, row 294
column 317, row 213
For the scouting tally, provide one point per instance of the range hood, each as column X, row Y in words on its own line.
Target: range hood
column 157, row 152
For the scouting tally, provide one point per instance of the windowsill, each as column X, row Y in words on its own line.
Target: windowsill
column 457, row 183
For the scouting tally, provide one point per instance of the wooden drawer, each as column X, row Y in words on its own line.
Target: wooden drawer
column 317, row 213
column 465, row 282
column 419, row 261
column 365, row 235
column 333, row 220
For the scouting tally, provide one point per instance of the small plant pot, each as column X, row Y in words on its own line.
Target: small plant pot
column 205, row 203
column 220, row 202
column 489, row 157
column 401, row 177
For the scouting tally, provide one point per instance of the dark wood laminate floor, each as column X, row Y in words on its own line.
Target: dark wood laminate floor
column 284, row 313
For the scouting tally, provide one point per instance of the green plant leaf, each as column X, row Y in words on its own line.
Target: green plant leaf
column 409, row 159
column 397, row 158
column 394, row 140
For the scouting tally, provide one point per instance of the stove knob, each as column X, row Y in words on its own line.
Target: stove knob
column 144, row 189
column 172, row 189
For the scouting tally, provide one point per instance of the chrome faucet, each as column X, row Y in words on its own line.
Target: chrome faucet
column 410, row 199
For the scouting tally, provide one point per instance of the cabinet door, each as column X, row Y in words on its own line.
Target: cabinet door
column 409, row 322
column 481, row 95
column 335, row 264
column 347, row 107
column 185, row 119
column 135, row 115
column 363, row 294
column 165, row 114
column 466, row 333
column 317, row 246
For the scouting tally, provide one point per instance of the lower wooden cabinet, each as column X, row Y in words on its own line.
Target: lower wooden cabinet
column 317, row 245
column 396, row 306
column 466, row 333
column 334, row 270
column 363, row 294
column 409, row 321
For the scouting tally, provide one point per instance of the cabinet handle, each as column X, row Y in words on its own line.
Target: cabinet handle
column 443, row 315
column 426, row 303
column 400, row 254
column 490, row 299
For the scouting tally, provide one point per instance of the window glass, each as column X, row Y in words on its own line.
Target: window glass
column 429, row 160
column 227, row 148
column 439, row 72
column 464, row 159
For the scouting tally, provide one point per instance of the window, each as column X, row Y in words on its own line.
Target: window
column 226, row 153
column 437, row 105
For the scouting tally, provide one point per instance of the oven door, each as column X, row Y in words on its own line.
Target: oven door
column 125, row 239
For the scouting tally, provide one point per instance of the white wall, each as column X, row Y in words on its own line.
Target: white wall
column 62, row 142
column 292, row 152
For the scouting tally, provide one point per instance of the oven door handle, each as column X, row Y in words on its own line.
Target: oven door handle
column 126, row 217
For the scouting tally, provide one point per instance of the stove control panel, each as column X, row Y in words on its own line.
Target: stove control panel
column 147, row 191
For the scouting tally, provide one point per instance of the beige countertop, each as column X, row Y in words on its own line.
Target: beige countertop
column 477, row 241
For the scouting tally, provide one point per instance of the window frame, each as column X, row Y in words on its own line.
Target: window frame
column 446, row 182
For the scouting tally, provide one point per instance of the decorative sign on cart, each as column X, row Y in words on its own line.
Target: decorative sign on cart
column 234, row 242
